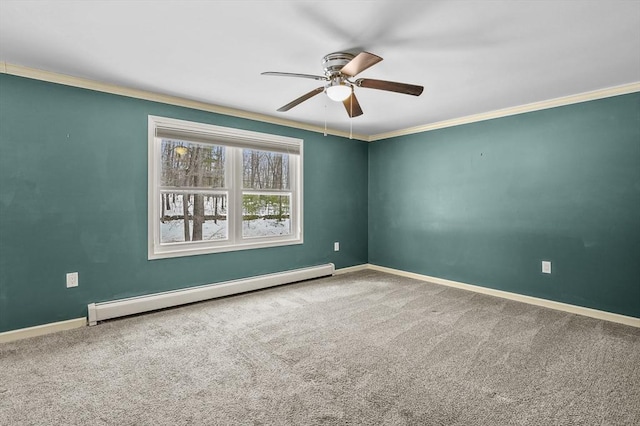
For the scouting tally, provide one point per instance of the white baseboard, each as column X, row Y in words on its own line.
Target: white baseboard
column 349, row 269
column 41, row 330
column 588, row 312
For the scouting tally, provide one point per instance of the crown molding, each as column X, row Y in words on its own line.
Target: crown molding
column 521, row 109
column 52, row 77
column 67, row 80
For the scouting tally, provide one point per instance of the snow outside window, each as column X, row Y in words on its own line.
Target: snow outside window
column 215, row 189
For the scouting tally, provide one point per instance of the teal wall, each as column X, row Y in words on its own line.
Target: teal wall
column 482, row 203
column 73, row 197
column 485, row 203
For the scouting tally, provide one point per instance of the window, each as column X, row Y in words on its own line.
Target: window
column 215, row 189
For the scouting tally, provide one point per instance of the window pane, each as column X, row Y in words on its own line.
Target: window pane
column 188, row 164
column 265, row 215
column 206, row 217
column 264, row 170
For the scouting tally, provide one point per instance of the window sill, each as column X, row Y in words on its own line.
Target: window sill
column 191, row 249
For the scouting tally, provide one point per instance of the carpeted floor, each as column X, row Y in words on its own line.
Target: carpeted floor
column 362, row 348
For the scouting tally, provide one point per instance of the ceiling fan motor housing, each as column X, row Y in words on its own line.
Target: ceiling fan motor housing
column 333, row 63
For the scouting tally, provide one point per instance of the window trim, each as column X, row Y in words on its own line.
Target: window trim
column 159, row 127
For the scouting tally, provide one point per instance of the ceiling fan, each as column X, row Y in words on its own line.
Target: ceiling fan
column 339, row 67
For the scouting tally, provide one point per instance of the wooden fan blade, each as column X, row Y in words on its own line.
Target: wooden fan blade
column 361, row 62
column 391, row 86
column 301, row 99
column 290, row 74
column 353, row 106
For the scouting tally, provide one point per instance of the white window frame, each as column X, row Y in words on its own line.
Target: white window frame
column 234, row 140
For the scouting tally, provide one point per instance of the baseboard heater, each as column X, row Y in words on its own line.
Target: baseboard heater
column 135, row 305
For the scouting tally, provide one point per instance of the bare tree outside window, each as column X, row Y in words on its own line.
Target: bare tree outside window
column 266, row 194
column 194, row 202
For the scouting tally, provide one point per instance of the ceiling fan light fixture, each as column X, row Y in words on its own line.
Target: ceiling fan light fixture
column 338, row 92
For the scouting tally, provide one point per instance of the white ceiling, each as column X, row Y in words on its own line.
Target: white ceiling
column 471, row 56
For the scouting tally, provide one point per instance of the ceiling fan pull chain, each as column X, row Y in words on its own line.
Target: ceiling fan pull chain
column 325, row 119
column 351, row 115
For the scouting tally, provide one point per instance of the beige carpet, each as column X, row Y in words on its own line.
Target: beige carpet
column 361, row 348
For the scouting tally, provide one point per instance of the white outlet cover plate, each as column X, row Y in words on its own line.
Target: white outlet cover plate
column 336, row 246
column 72, row 279
column 546, row 267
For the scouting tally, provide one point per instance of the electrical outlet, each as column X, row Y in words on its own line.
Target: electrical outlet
column 546, row 266
column 72, row 279
column 336, row 246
